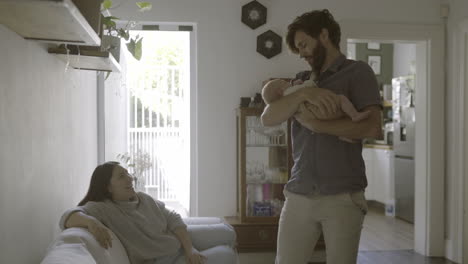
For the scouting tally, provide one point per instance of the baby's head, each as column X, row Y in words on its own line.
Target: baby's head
column 273, row 90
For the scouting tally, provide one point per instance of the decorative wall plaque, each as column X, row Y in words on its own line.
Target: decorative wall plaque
column 254, row 14
column 269, row 44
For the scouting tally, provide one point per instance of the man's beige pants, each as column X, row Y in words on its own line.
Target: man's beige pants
column 304, row 218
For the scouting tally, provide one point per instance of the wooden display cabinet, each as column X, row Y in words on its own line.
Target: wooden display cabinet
column 264, row 165
column 263, row 168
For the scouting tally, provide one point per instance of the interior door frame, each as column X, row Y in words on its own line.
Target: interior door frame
column 429, row 232
column 193, row 93
column 463, row 182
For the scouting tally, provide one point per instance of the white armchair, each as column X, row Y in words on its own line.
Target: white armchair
column 210, row 235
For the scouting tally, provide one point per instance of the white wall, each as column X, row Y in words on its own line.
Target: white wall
column 58, row 146
column 115, row 107
column 229, row 67
column 454, row 151
column 48, row 146
column 403, row 56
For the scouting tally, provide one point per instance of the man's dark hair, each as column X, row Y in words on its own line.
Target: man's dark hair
column 312, row 24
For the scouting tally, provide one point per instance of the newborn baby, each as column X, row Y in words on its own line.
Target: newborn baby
column 278, row 88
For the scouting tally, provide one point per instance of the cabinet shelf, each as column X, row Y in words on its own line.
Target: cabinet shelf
column 88, row 59
column 267, row 151
column 54, row 21
column 265, row 145
column 265, row 182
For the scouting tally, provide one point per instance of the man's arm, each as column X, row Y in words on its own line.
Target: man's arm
column 281, row 110
column 345, row 127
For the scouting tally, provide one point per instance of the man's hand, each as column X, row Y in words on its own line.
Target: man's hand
column 100, row 232
column 194, row 257
column 325, row 100
column 305, row 117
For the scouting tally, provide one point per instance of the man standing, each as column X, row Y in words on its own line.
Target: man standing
column 326, row 189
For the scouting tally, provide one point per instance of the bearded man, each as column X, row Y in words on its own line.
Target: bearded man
column 326, row 191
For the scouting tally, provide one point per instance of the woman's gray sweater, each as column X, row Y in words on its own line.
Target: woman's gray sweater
column 144, row 226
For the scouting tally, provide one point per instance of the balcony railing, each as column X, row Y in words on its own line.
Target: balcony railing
column 163, row 146
column 157, row 120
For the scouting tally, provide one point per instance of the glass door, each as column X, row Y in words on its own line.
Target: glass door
column 265, row 169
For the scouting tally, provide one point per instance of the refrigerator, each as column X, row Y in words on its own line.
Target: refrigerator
column 404, row 119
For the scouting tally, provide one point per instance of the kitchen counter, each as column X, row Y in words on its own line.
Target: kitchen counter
column 378, row 146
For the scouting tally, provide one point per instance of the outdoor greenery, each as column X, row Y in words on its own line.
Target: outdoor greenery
column 162, row 94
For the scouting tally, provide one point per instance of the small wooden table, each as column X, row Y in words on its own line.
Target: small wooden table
column 259, row 237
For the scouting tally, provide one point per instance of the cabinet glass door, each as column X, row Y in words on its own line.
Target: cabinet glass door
column 266, row 167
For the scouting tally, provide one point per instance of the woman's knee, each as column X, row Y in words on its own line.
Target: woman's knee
column 220, row 254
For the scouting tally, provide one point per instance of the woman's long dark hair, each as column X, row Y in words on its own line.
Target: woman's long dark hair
column 100, row 180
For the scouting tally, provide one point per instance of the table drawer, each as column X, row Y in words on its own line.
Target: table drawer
column 256, row 237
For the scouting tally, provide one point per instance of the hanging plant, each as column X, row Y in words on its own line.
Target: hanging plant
column 135, row 44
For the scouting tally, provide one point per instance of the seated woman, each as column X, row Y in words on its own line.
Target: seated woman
column 150, row 233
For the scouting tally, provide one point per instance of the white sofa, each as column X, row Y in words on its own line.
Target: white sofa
column 77, row 245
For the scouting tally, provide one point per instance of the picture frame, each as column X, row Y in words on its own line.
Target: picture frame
column 373, row 46
column 374, row 62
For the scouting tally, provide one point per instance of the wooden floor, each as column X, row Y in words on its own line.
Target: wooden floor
column 398, row 257
column 384, row 240
column 365, row 257
column 381, row 232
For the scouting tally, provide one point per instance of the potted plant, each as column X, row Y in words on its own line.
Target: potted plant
column 114, row 33
column 137, row 163
column 97, row 58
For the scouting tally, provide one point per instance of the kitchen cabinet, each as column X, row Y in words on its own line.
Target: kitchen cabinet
column 379, row 171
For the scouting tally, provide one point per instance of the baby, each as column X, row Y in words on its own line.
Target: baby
column 278, row 88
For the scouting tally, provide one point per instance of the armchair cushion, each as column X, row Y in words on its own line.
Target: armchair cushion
column 210, row 235
column 69, row 253
column 80, row 243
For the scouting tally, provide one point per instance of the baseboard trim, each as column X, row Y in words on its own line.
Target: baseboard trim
column 450, row 251
column 376, row 206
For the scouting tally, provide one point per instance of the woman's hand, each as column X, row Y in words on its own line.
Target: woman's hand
column 100, row 232
column 194, row 257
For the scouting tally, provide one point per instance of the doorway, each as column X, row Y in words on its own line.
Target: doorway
column 160, row 113
column 464, row 128
column 390, row 163
column 429, row 111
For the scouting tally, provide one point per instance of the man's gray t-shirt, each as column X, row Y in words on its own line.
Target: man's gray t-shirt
column 324, row 164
